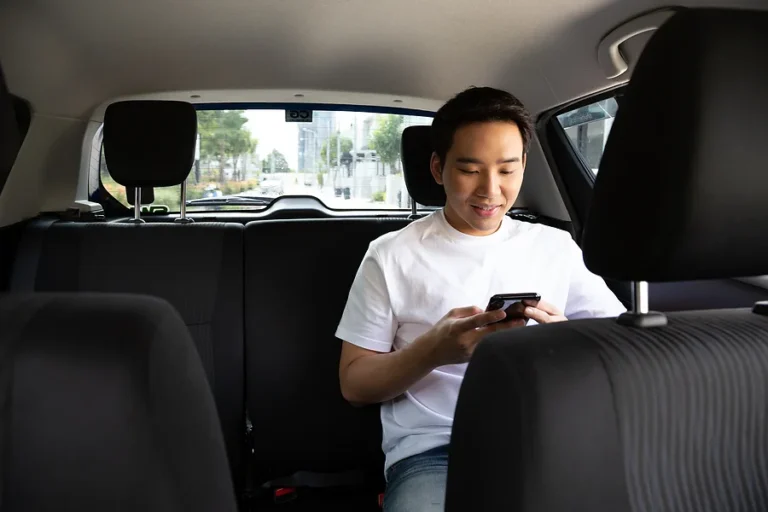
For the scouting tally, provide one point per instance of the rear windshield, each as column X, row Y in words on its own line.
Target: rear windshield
column 247, row 158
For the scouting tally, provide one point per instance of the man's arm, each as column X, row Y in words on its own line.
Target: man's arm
column 369, row 377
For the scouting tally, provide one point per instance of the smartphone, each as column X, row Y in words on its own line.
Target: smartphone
column 512, row 304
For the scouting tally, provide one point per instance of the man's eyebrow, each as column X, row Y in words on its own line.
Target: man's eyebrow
column 470, row 160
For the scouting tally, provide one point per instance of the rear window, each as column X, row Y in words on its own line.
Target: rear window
column 247, row 158
column 588, row 127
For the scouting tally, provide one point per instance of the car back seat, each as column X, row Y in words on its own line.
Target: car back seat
column 198, row 268
column 297, row 278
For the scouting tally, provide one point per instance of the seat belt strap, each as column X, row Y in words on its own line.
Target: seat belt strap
column 24, row 275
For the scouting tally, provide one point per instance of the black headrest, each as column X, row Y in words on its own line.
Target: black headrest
column 150, row 143
column 147, row 195
column 682, row 191
column 416, row 151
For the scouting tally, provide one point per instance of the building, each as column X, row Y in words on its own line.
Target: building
column 312, row 137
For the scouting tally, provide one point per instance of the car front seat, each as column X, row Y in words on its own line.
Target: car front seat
column 646, row 412
column 105, row 406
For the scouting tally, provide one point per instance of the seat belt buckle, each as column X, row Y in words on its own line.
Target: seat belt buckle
column 284, row 494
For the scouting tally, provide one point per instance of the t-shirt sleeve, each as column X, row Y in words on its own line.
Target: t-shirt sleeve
column 368, row 320
column 588, row 295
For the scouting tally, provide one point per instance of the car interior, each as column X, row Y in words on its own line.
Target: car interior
column 187, row 191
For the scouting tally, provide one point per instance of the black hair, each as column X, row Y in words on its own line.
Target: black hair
column 478, row 105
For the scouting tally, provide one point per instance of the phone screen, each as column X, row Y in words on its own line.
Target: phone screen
column 513, row 304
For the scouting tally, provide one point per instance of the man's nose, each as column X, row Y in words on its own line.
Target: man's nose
column 488, row 186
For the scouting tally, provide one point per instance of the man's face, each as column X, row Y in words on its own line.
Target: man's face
column 482, row 175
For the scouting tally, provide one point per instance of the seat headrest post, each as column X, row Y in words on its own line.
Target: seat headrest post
column 136, row 207
column 183, row 206
column 414, row 207
column 640, row 296
column 640, row 316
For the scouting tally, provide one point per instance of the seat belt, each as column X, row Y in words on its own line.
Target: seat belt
column 24, row 274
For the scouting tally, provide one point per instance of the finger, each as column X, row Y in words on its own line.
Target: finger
column 548, row 308
column 538, row 315
column 480, row 320
column 465, row 312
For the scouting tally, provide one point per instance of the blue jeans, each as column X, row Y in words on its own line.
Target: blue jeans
column 417, row 483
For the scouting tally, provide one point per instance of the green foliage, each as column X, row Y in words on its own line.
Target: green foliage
column 280, row 165
column 379, row 197
column 346, row 146
column 224, row 137
column 320, row 179
column 386, row 139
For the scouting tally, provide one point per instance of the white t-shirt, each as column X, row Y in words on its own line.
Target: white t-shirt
column 409, row 279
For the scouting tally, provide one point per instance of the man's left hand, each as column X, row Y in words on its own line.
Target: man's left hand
column 544, row 312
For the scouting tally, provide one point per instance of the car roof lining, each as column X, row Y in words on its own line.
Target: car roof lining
column 86, row 52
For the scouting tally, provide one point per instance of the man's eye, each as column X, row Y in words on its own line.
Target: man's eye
column 467, row 171
column 507, row 171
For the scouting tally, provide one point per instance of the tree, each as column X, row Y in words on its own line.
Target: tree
column 280, row 163
column 346, row 146
column 223, row 137
column 386, row 139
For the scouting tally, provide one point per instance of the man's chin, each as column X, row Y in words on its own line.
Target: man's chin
column 486, row 226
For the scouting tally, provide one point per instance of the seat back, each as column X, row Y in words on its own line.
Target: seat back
column 593, row 415
column 197, row 267
column 102, row 418
column 650, row 412
column 297, row 278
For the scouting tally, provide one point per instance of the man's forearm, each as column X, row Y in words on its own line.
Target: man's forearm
column 381, row 377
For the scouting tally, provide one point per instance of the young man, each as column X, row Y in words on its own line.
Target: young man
column 414, row 312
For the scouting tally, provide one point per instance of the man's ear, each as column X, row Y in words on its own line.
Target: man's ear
column 436, row 168
column 525, row 160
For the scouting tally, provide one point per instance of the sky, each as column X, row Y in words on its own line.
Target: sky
column 272, row 132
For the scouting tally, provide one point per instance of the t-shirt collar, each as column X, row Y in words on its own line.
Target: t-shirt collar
column 457, row 236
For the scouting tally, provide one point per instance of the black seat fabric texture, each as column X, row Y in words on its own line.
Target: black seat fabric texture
column 106, row 407
column 198, row 268
column 303, row 271
column 592, row 415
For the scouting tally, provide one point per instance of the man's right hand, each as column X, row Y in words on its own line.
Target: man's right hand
column 453, row 339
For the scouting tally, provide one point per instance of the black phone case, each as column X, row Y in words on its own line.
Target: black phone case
column 512, row 304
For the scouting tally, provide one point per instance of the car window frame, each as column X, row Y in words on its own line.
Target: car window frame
column 574, row 178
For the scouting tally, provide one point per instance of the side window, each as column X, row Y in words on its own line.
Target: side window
column 588, row 127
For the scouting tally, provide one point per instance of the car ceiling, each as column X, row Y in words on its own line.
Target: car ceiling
column 67, row 58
